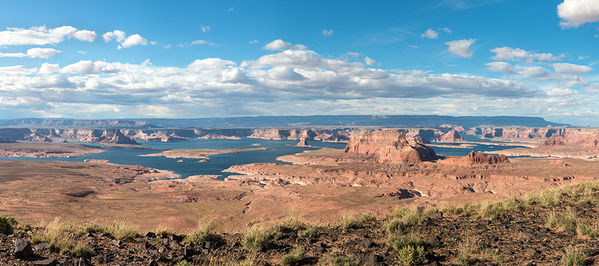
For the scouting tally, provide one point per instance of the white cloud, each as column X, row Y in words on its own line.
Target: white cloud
column 571, row 68
column 117, row 35
column 47, row 68
column 430, row 34
column 277, row 45
column 133, row 40
column 327, row 33
column 561, row 92
column 124, row 40
column 577, row 12
column 85, row 35
column 253, row 42
column 517, row 54
column 461, row 47
column 42, row 52
column 89, row 67
column 502, row 67
column 42, row 35
column 33, row 53
column 202, row 42
column 205, row 28
column 369, row 61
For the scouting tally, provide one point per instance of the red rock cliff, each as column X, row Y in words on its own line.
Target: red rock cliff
column 390, row 146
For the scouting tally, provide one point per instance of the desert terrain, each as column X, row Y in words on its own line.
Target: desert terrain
column 377, row 172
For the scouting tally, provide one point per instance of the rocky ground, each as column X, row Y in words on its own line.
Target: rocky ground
column 551, row 227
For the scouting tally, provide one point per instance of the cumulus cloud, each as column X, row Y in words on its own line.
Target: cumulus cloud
column 577, row 12
column 369, row 61
column 517, row 54
column 327, row 33
column 502, row 67
column 571, row 68
column 461, row 47
column 277, row 45
column 124, row 40
column 33, row 53
column 295, row 78
column 42, row 35
column 205, row 28
column 430, row 34
column 85, row 35
column 117, row 35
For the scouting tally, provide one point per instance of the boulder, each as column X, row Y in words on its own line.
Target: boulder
column 22, row 249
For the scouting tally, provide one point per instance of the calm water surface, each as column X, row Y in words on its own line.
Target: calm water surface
column 220, row 162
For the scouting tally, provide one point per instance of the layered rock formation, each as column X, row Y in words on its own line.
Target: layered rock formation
column 451, row 136
column 390, row 146
column 107, row 136
column 481, row 158
column 302, row 143
column 585, row 137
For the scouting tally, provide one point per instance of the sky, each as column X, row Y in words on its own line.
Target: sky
column 192, row 59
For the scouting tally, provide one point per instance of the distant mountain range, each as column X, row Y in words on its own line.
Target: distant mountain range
column 421, row 121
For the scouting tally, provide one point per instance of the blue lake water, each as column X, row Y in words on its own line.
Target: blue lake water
column 220, row 162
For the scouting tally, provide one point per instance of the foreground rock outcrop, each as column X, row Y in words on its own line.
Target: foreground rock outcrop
column 390, row 146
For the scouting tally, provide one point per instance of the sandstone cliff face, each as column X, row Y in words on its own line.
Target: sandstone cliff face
column 390, row 146
column 112, row 136
column 587, row 137
column 481, row 158
column 302, row 143
column 451, row 136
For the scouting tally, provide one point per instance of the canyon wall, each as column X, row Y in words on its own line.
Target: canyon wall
column 549, row 136
column 390, row 146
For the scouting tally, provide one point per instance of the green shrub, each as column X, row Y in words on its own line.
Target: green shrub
column 366, row 218
column 82, row 250
column 294, row 257
column 310, row 231
column 204, row 233
column 412, row 255
column 122, row 231
column 573, row 257
column 6, row 224
column 183, row 263
column 567, row 220
column 348, row 221
column 464, row 253
column 399, row 242
column 259, row 238
column 586, row 230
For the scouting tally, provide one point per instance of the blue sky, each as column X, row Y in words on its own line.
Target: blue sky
column 134, row 59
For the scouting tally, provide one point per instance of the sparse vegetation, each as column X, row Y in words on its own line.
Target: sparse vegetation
column 464, row 253
column 337, row 260
column 6, row 224
column 58, row 234
column 573, row 257
column 583, row 229
column 204, row 233
column 122, row 231
column 294, row 257
column 566, row 220
column 258, row 238
column 82, row 250
column 365, row 218
column 183, row 263
column 348, row 221
column 310, row 231
column 412, row 255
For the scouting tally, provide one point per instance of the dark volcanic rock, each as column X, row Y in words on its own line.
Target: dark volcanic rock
column 22, row 249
